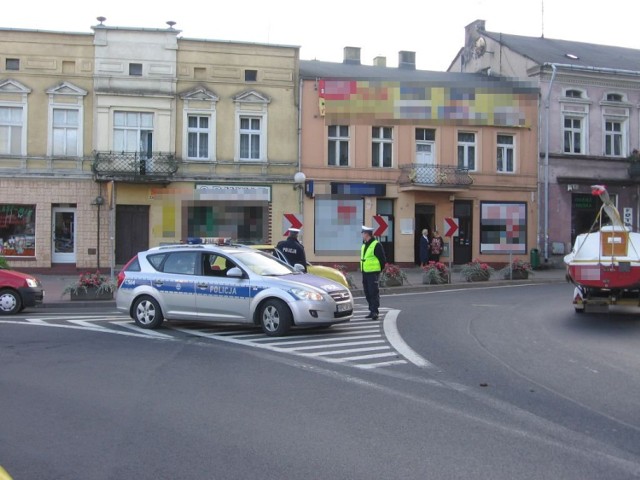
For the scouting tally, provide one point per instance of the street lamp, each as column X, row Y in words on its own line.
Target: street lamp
column 298, row 184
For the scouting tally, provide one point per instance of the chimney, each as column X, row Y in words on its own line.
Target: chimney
column 352, row 55
column 380, row 61
column 407, row 60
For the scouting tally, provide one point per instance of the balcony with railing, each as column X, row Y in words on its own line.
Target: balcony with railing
column 437, row 176
column 156, row 167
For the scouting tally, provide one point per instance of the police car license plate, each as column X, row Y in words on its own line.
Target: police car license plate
column 344, row 307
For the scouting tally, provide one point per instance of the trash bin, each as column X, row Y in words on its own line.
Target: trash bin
column 535, row 258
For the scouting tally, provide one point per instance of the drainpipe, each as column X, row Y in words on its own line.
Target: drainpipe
column 546, row 164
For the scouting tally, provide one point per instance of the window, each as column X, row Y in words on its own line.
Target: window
column 12, row 64
column 573, row 94
column 18, row 230
column 198, row 136
column 614, row 97
column 65, row 132
column 505, row 154
column 425, row 142
column 250, row 133
column 11, row 124
column 338, row 147
column 467, row 150
column 133, row 132
column 381, row 147
column 135, row 69
column 613, row 138
column 250, row 75
column 573, row 135
column 251, row 126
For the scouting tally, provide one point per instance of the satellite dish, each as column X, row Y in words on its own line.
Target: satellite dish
column 479, row 47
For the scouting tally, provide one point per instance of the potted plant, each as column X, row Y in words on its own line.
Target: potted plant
column 634, row 163
column 517, row 270
column 90, row 286
column 435, row 273
column 476, row 271
column 392, row 276
column 347, row 274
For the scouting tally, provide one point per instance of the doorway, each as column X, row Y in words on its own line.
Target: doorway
column 132, row 231
column 463, row 243
column 63, row 245
column 425, row 215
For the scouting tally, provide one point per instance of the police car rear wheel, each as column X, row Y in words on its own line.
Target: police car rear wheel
column 275, row 318
column 147, row 313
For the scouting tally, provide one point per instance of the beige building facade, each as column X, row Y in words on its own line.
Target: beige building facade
column 126, row 138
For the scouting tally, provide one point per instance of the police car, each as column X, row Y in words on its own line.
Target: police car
column 227, row 284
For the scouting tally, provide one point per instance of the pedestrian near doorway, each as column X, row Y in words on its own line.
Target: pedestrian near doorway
column 437, row 244
column 425, row 247
column 292, row 249
column 372, row 261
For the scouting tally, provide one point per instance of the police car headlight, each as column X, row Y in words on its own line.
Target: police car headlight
column 303, row 294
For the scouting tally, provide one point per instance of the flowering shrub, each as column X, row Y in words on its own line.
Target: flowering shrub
column 392, row 272
column 345, row 271
column 518, row 267
column 101, row 283
column 476, row 270
column 435, row 272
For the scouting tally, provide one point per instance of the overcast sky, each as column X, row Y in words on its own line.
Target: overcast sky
column 432, row 29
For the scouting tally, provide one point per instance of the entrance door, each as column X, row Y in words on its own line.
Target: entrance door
column 132, row 231
column 63, row 248
column 462, row 244
column 424, row 219
column 385, row 209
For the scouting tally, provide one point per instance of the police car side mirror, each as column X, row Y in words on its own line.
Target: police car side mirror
column 234, row 272
column 298, row 268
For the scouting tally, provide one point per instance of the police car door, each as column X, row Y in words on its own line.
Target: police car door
column 220, row 298
column 177, row 285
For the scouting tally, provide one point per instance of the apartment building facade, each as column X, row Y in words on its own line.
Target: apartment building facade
column 590, row 124
column 402, row 149
column 126, row 138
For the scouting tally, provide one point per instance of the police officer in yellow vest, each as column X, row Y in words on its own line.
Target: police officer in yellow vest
column 372, row 261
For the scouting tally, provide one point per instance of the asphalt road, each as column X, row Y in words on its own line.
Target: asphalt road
column 512, row 385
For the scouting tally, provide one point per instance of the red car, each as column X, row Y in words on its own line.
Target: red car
column 18, row 290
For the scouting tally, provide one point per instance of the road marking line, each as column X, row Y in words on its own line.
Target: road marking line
column 381, row 364
column 131, row 326
column 346, row 344
column 348, row 350
column 393, row 335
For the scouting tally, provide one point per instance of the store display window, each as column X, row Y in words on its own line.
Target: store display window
column 18, row 230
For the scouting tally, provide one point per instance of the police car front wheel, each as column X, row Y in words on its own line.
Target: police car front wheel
column 275, row 318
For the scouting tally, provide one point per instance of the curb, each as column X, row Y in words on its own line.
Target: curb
column 355, row 292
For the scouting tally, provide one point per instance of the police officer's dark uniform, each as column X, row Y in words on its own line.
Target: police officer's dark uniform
column 292, row 249
column 372, row 261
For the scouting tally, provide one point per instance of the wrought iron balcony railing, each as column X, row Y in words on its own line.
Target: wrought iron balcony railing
column 434, row 175
column 134, row 166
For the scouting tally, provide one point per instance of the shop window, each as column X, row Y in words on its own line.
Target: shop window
column 17, row 230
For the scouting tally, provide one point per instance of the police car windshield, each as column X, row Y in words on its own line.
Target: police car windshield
column 263, row 264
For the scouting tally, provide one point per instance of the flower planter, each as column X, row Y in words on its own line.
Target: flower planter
column 90, row 294
column 517, row 275
column 431, row 280
column 478, row 277
column 393, row 282
column 634, row 169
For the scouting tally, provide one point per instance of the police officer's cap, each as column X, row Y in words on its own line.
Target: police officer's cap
column 367, row 229
column 294, row 231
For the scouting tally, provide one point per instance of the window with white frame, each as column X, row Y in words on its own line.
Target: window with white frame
column 198, row 136
column 11, row 130
column 467, row 150
column 250, row 138
column 614, row 138
column 252, row 115
column 505, row 154
column 133, row 132
column 382, row 147
column 425, row 145
column 574, row 137
column 65, row 132
column 338, row 146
